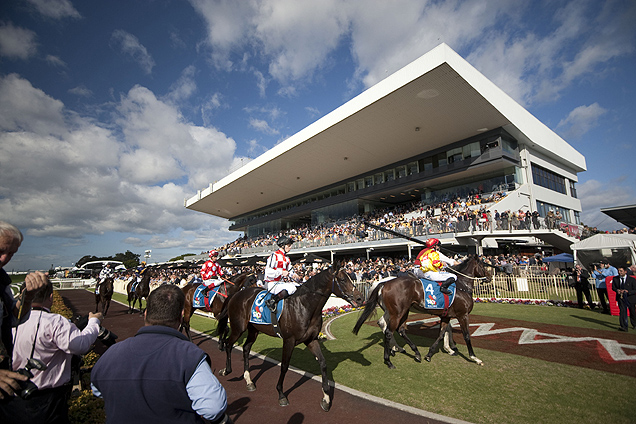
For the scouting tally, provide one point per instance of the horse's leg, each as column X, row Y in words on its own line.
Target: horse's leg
column 382, row 323
column 96, row 303
column 442, row 330
column 107, row 306
column 247, row 347
column 238, row 328
column 402, row 332
column 449, row 344
column 314, row 347
column 463, row 323
column 288, row 348
column 185, row 324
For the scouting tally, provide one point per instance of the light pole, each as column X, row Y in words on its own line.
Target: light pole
column 147, row 255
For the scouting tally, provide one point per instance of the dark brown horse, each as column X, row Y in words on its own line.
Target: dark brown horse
column 103, row 295
column 227, row 289
column 300, row 322
column 403, row 294
column 141, row 291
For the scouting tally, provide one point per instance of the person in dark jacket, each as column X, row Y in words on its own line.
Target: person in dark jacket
column 625, row 287
column 582, row 286
column 158, row 376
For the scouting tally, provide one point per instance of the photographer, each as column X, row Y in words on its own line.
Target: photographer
column 580, row 278
column 12, row 312
column 53, row 340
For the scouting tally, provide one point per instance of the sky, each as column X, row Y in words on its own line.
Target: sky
column 114, row 112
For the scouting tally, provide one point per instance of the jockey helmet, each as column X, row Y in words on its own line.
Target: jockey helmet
column 432, row 242
column 213, row 254
column 143, row 263
column 284, row 241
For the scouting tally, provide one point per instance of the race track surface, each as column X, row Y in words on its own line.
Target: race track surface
column 261, row 406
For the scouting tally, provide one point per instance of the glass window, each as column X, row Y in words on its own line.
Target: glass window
column 401, row 171
column 577, row 217
column 548, row 179
column 360, row 184
column 412, row 168
column 351, row 186
column 454, row 155
column 426, row 164
column 368, row 181
column 440, row 159
column 573, row 190
column 379, row 178
column 389, row 175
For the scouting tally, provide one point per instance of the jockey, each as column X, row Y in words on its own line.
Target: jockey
column 278, row 273
column 431, row 262
column 103, row 275
column 211, row 272
column 139, row 273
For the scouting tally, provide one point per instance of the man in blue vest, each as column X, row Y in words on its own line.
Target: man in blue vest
column 158, row 376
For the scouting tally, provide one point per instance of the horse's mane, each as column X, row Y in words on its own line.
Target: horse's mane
column 314, row 283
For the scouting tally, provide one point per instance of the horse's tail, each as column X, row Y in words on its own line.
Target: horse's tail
column 371, row 304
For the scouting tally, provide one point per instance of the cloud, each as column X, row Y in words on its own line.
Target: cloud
column 55, row 61
column 55, row 9
column 130, row 45
column 17, row 42
column 595, row 195
column 262, row 126
column 65, row 175
column 81, row 91
column 184, row 87
column 581, row 120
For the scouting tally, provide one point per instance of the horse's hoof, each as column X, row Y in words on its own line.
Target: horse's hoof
column 326, row 406
column 251, row 387
column 283, row 401
column 390, row 365
column 427, row 358
column 223, row 372
column 418, row 358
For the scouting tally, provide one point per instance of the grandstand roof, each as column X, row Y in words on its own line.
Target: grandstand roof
column 436, row 100
column 626, row 215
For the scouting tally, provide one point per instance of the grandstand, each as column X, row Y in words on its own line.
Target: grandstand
column 434, row 141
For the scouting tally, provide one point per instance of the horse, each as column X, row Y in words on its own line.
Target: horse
column 141, row 291
column 103, row 294
column 398, row 296
column 300, row 322
column 226, row 290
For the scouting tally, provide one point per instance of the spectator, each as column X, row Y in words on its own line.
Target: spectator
column 582, row 286
column 600, row 273
column 53, row 340
column 625, row 288
column 12, row 312
column 158, row 376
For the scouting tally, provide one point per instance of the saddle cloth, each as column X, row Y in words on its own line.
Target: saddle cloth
column 433, row 297
column 198, row 300
column 260, row 313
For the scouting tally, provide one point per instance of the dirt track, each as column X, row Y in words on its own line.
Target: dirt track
column 261, row 406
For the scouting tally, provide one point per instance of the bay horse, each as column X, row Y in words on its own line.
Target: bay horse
column 398, row 296
column 226, row 290
column 300, row 322
column 103, row 295
column 141, row 291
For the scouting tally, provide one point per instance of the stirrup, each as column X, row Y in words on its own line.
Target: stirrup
column 271, row 304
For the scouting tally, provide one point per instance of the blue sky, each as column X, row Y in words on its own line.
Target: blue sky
column 113, row 112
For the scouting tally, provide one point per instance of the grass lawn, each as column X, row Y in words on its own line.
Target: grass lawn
column 508, row 388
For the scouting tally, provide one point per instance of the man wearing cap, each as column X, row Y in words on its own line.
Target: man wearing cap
column 431, row 262
column 278, row 271
column 600, row 274
column 211, row 272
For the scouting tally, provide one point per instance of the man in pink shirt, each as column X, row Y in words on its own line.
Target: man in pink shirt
column 52, row 339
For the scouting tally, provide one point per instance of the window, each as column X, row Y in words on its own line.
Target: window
column 573, row 189
column 426, row 164
column 548, row 179
column 389, row 175
column 379, row 178
column 359, row 184
column 412, row 168
column 577, row 217
column 401, row 171
column 368, row 181
column 454, row 155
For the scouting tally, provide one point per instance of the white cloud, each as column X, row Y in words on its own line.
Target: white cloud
column 81, row 91
column 184, row 87
column 65, row 175
column 262, row 126
column 595, row 195
column 56, row 9
column 581, row 120
column 17, row 42
column 130, row 45
column 55, row 61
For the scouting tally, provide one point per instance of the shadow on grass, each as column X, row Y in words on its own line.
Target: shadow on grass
column 595, row 321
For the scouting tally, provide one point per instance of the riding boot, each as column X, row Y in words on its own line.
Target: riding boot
column 445, row 285
column 273, row 301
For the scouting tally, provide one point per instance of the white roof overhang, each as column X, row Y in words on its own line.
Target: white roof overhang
column 439, row 93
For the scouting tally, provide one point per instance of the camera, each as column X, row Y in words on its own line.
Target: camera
column 107, row 337
column 27, row 388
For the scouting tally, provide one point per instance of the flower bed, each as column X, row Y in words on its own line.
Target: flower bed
column 540, row 302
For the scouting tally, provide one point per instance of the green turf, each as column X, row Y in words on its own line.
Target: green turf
column 508, row 388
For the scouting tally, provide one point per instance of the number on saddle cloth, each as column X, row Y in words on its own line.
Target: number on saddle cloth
column 198, row 300
column 260, row 314
column 433, row 297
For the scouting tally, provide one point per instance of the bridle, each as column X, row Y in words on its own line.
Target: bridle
column 335, row 282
